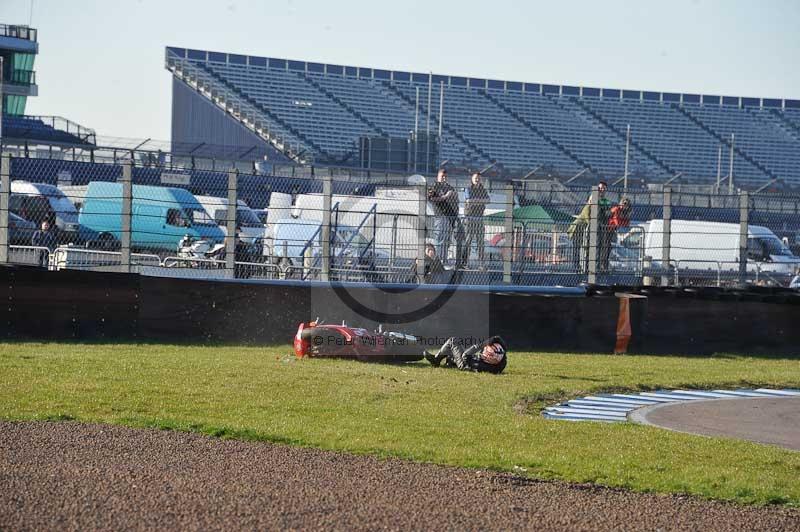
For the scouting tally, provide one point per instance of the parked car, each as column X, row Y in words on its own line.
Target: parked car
column 160, row 217
column 540, row 248
column 36, row 202
column 262, row 215
column 20, row 230
column 251, row 229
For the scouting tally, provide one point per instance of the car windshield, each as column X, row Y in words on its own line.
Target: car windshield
column 200, row 217
column 247, row 218
column 773, row 246
column 63, row 208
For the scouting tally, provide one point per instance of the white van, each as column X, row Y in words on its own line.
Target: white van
column 392, row 215
column 701, row 245
column 251, row 228
column 39, row 201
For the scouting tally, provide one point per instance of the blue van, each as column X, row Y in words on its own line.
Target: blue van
column 160, row 217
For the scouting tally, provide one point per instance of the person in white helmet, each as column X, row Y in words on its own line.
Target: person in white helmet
column 490, row 356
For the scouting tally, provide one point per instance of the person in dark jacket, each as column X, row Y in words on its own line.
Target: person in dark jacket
column 476, row 199
column 490, row 356
column 433, row 266
column 444, row 199
column 45, row 237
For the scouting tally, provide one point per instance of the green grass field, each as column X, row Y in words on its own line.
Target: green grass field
column 413, row 411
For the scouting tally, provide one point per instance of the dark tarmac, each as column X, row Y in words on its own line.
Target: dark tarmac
column 768, row 420
column 73, row 476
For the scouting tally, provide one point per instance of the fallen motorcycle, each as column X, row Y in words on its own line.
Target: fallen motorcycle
column 314, row 339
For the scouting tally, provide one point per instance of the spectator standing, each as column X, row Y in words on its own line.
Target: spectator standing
column 619, row 217
column 578, row 229
column 242, row 253
column 445, row 204
column 605, row 233
column 45, row 237
column 475, row 205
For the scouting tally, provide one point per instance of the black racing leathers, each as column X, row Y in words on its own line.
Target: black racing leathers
column 469, row 358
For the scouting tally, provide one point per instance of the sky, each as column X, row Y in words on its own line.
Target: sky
column 101, row 63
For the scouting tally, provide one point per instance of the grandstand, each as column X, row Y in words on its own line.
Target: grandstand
column 18, row 49
column 46, row 129
column 313, row 112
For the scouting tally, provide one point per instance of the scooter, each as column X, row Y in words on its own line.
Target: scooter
column 208, row 254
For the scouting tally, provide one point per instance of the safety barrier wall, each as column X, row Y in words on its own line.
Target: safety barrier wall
column 80, row 305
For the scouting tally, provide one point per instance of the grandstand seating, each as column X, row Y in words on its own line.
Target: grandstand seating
column 35, row 129
column 326, row 108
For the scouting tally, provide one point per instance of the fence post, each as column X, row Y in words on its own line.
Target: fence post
column 5, row 195
column 327, row 199
column 230, row 223
column 508, row 233
column 666, row 236
column 127, row 202
column 422, row 229
column 594, row 234
column 744, row 214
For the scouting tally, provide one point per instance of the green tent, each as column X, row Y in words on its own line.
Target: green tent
column 533, row 216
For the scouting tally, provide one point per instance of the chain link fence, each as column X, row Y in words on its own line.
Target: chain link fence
column 131, row 216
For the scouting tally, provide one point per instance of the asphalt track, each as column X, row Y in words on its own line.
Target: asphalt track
column 768, row 420
column 73, row 476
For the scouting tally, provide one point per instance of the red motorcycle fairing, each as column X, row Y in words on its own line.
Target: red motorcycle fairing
column 342, row 341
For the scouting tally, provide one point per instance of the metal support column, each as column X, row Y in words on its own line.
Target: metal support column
column 744, row 217
column 730, row 170
column 508, row 233
column 666, row 237
column 230, row 223
column 422, row 227
column 327, row 198
column 127, row 205
column 627, row 155
column 594, row 234
column 5, row 195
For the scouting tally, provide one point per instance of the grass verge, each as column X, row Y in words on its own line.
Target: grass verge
column 413, row 411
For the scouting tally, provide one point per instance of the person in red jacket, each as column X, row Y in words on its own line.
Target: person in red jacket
column 620, row 215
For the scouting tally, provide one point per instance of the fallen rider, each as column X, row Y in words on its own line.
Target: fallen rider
column 490, row 356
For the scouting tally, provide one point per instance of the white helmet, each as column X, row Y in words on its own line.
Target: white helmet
column 493, row 353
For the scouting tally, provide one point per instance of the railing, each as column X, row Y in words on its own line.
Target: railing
column 29, row 255
column 726, row 273
column 18, row 32
column 74, row 258
column 22, row 77
column 62, row 124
